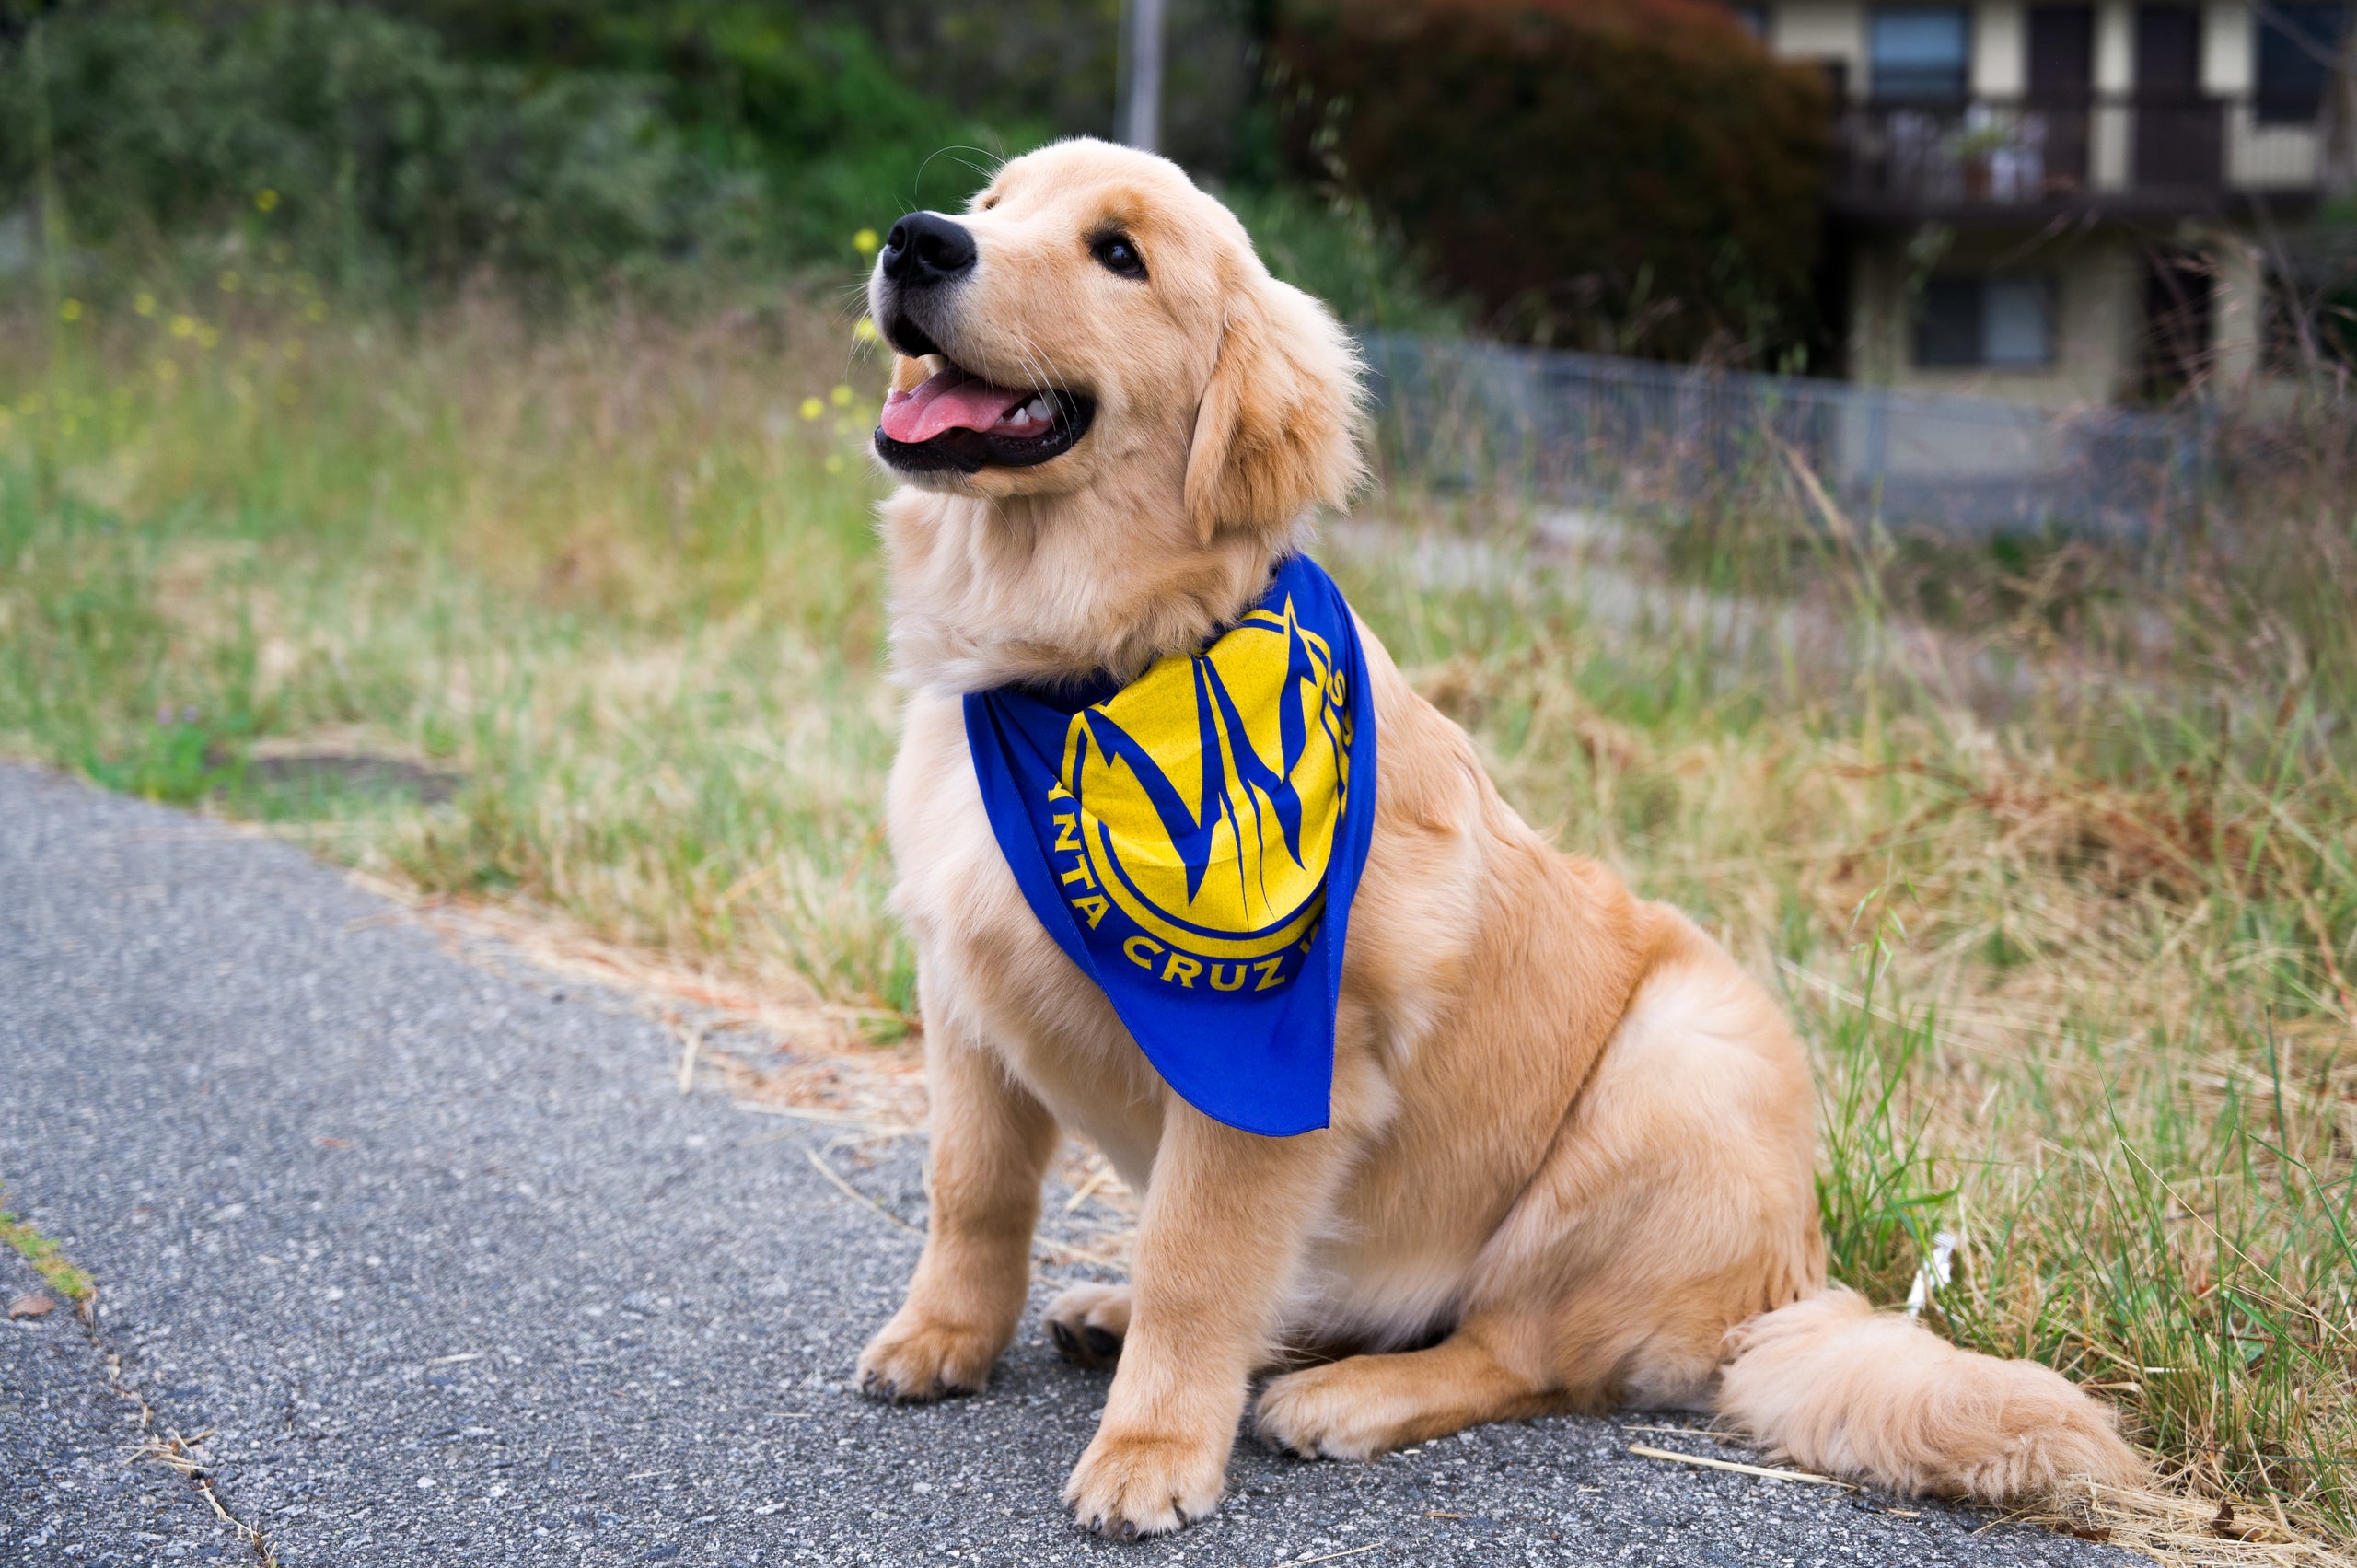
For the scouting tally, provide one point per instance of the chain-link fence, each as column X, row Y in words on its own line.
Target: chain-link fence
column 1632, row 436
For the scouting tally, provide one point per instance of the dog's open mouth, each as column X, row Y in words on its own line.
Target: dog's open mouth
column 959, row 421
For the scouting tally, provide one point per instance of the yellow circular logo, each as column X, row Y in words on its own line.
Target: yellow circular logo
column 1211, row 789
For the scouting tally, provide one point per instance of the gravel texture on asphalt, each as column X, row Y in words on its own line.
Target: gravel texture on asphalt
column 432, row 1247
column 71, row 1489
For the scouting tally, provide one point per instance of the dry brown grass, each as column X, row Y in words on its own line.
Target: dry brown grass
column 2070, row 916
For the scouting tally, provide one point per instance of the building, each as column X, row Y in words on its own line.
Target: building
column 2065, row 204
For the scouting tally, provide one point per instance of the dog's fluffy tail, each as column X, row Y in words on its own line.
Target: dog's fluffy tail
column 1840, row 1388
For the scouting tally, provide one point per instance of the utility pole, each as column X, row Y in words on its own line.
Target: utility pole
column 1140, row 121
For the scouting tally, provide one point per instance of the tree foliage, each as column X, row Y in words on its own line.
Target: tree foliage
column 1626, row 175
column 424, row 140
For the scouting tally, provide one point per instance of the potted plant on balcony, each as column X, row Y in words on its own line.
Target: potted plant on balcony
column 1976, row 147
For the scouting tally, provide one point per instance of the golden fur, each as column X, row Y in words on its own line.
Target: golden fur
column 1571, row 1136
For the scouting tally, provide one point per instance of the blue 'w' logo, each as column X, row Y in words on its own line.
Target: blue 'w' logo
column 1236, row 780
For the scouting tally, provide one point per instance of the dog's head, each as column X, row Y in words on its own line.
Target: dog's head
column 1093, row 319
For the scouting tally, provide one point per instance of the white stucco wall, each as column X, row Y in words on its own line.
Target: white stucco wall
column 2115, row 46
column 2238, row 313
column 2228, row 56
column 2000, row 49
column 1822, row 29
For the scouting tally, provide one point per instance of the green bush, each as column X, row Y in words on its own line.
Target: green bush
column 1009, row 61
column 424, row 142
column 373, row 145
column 839, row 137
column 1633, row 176
column 1334, row 247
column 411, row 142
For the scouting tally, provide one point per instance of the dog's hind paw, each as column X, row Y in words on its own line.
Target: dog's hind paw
column 1329, row 1412
column 912, row 1362
column 1089, row 1323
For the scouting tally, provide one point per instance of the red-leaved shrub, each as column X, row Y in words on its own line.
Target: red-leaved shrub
column 1635, row 176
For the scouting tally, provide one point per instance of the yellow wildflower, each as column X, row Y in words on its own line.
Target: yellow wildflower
column 840, row 397
column 230, row 281
column 143, row 302
column 183, row 326
column 865, row 332
column 70, row 311
column 208, row 336
column 865, row 241
column 812, row 408
column 834, row 462
column 315, row 311
column 265, row 199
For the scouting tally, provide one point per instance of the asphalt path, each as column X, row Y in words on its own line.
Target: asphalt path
column 428, row 1259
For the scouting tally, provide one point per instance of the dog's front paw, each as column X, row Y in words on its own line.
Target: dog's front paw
column 1089, row 1323
column 1147, row 1483
column 916, row 1358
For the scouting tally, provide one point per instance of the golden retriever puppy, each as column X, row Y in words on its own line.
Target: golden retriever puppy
column 1570, row 1150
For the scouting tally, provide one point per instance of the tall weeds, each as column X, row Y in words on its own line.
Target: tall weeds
column 2063, row 897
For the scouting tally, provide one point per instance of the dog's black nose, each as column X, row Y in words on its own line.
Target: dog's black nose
column 924, row 248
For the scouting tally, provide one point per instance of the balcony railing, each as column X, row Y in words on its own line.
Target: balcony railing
column 2182, row 152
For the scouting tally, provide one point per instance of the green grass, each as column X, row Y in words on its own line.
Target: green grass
column 46, row 1259
column 1335, row 248
column 2072, row 948
column 2073, row 961
column 619, row 584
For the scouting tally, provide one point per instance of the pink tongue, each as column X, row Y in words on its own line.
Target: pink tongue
column 951, row 401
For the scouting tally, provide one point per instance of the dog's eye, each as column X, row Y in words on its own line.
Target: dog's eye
column 1118, row 255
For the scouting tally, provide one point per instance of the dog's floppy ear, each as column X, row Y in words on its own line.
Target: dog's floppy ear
column 1278, row 426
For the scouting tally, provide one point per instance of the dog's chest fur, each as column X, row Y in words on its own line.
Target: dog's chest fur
column 1393, row 1249
column 990, row 972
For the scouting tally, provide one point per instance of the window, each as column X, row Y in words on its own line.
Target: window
column 2298, row 42
column 1992, row 323
column 2016, row 322
column 1919, row 54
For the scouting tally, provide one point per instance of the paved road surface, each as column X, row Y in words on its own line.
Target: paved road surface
column 452, row 1273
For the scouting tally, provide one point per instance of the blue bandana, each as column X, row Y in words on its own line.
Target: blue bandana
column 1192, row 841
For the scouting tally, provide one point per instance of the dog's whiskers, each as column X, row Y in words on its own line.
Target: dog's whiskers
column 1034, row 372
column 1030, row 369
column 1054, row 384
